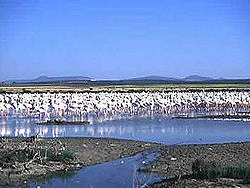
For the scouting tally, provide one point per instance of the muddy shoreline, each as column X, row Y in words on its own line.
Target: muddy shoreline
column 175, row 164
column 87, row 151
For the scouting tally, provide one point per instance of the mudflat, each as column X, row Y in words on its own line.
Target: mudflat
column 68, row 154
column 175, row 164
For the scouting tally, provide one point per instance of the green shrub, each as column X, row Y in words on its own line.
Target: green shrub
column 62, row 156
column 27, row 155
column 211, row 170
column 19, row 155
column 204, row 170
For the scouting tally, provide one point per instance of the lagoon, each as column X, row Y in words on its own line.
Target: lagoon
column 155, row 129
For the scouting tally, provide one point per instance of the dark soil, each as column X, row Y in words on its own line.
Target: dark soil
column 175, row 164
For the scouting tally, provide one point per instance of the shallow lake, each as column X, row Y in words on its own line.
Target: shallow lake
column 156, row 129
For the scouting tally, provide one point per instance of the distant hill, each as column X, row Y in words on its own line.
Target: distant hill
column 163, row 78
column 197, row 78
column 52, row 79
column 65, row 78
column 80, row 81
column 154, row 77
column 151, row 78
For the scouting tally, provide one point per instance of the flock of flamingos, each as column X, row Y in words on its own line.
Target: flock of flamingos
column 121, row 103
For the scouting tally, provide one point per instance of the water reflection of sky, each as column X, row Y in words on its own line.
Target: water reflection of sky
column 112, row 174
column 159, row 129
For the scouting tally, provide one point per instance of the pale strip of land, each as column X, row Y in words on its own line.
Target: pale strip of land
column 145, row 87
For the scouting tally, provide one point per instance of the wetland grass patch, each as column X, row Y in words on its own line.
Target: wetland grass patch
column 211, row 170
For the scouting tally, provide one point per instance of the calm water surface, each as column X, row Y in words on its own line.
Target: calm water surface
column 156, row 129
column 114, row 174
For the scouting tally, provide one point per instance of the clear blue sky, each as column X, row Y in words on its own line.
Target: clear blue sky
column 124, row 38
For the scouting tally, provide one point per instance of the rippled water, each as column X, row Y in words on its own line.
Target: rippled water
column 157, row 129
